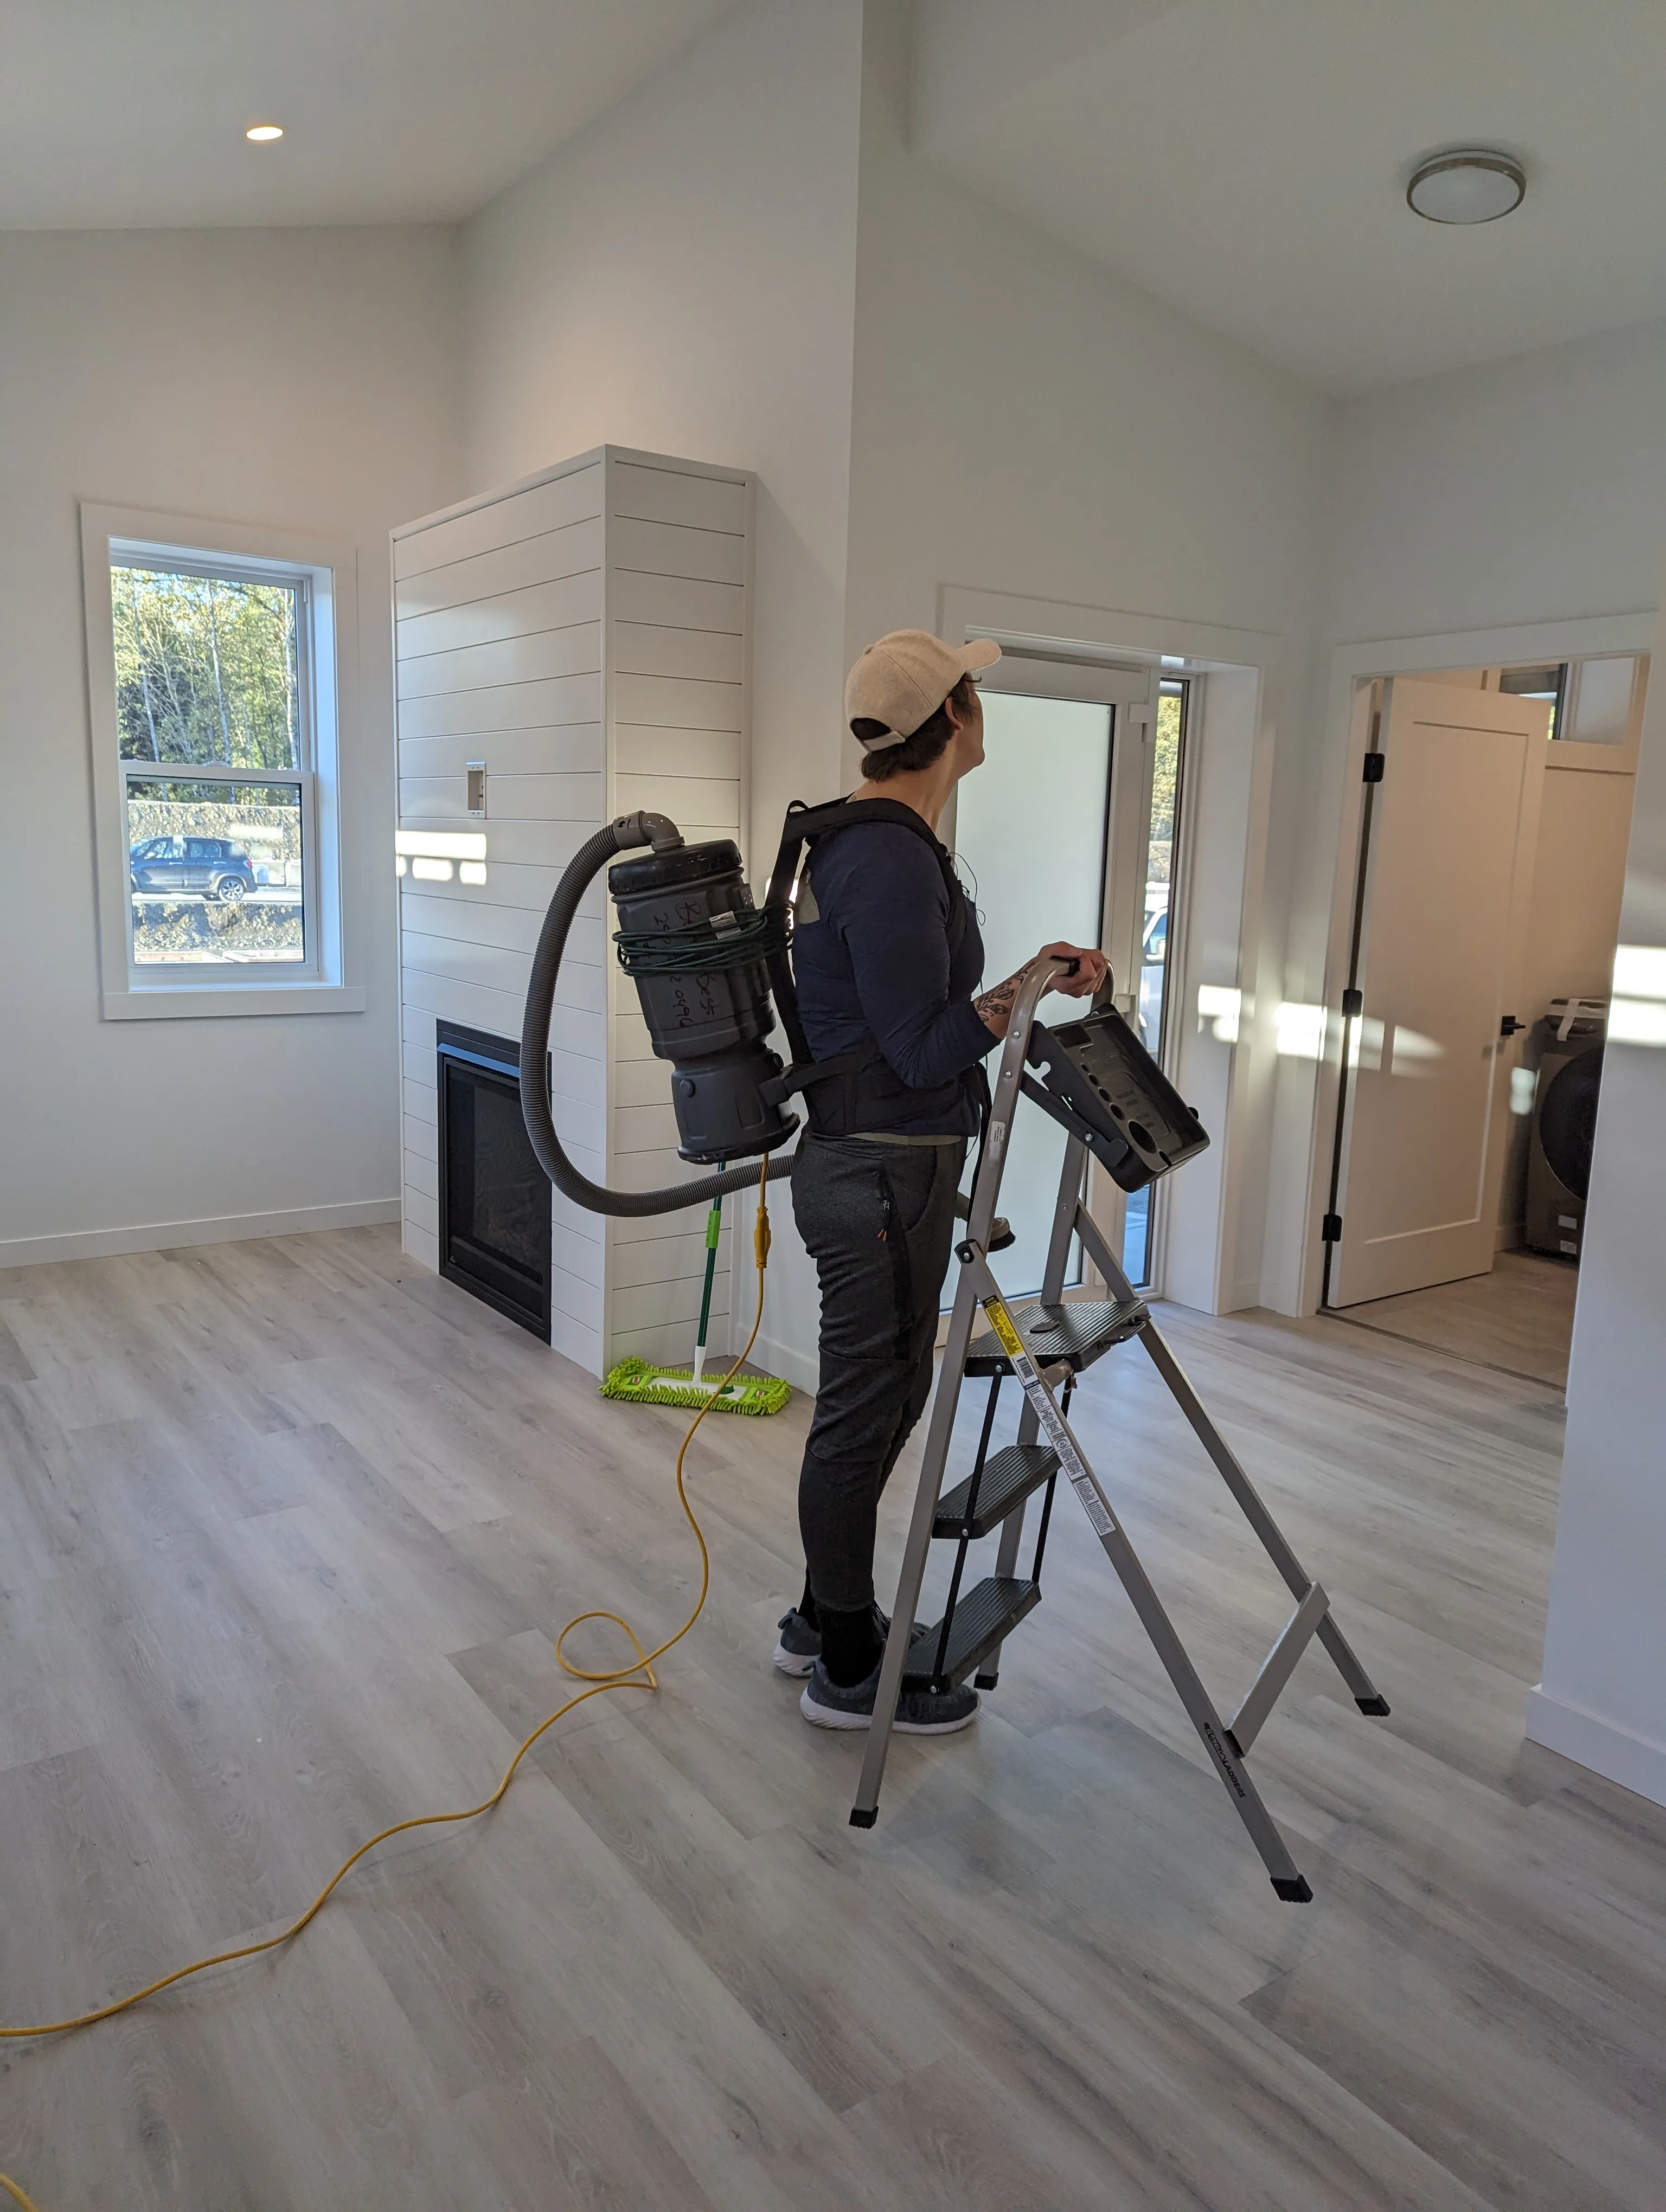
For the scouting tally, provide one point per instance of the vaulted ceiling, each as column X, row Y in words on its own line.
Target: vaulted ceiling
column 131, row 112
column 1243, row 160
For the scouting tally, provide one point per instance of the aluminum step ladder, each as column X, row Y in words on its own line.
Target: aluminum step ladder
column 1046, row 1343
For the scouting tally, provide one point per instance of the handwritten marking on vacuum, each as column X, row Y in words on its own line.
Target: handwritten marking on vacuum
column 1081, row 1475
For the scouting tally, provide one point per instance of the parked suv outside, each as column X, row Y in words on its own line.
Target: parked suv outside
column 1153, row 957
column 211, row 866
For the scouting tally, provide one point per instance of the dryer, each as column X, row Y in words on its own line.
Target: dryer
column 1569, row 1039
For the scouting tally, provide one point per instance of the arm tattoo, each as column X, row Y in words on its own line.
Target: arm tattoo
column 995, row 1005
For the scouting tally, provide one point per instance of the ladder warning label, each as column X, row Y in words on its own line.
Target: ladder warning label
column 1001, row 1321
column 1051, row 1421
column 1092, row 1505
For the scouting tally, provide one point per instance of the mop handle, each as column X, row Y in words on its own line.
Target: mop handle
column 713, row 1224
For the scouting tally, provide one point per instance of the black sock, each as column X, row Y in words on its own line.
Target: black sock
column 806, row 1607
column 850, row 1646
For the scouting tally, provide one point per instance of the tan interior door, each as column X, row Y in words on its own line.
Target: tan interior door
column 1450, row 840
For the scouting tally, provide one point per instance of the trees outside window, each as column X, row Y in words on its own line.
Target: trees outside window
column 213, row 681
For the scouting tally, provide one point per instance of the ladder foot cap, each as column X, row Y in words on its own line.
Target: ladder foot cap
column 985, row 1681
column 1377, row 1707
column 861, row 1820
column 1294, row 1891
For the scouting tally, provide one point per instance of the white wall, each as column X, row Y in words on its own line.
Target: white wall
column 680, row 277
column 1527, row 490
column 1026, row 424
column 300, row 379
column 1605, row 1643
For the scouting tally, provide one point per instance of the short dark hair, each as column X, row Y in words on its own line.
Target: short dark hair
column 924, row 747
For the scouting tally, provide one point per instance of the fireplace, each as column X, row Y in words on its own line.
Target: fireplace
column 493, row 1197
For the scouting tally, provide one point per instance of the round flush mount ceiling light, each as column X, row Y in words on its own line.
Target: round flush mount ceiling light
column 262, row 134
column 1466, row 184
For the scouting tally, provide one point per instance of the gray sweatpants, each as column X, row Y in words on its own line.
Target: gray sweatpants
column 878, row 1221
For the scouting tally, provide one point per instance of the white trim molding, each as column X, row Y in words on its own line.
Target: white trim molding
column 1633, row 1761
column 168, row 1003
column 168, row 1236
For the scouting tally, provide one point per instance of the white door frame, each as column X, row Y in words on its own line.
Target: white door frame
column 1307, row 1119
column 1209, row 1250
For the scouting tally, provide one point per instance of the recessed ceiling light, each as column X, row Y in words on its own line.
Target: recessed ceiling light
column 262, row 134
column 1466, row 184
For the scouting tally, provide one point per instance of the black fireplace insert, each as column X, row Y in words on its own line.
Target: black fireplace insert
column 493, row 1197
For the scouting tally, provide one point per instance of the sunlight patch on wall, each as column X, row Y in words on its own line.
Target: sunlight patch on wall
column 1299, row 1030
column 1219, row 1005
column 1637, row 1012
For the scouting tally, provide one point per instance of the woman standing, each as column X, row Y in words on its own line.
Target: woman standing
column 887, row 959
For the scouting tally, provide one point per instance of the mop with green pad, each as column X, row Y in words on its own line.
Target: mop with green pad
column 645, row 1385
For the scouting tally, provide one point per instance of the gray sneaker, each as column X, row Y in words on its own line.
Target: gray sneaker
column 798, row 1645
column 919, row 1712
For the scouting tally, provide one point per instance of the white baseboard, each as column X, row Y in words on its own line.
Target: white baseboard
column 220, row 1229
column 1633, row 1761
column 775, row 1358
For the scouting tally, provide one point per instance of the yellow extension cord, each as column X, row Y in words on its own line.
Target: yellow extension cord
column 617, row 1677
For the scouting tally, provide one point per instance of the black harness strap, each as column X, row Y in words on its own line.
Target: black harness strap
column 809, row 826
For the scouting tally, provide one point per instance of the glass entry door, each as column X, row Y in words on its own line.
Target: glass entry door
column 1052, row 835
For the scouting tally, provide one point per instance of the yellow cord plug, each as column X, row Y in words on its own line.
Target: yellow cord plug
column 761, row 1240
column 637, row 1676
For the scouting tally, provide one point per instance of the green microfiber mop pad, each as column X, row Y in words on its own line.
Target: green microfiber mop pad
column 643, row 1385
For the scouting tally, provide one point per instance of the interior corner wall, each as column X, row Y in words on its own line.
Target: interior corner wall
column 305, row 379
column 1534, row 489
column 680, row 277
column 1605, row 1641
column 1024, row 423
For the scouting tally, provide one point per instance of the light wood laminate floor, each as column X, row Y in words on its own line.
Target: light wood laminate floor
column 285, row 1530
column 1518, row 1318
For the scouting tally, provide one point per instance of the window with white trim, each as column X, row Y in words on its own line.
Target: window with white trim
column 214, row 732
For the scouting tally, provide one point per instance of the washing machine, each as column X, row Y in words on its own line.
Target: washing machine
column 1568, row 1042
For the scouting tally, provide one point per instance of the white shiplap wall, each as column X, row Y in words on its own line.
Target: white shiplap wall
column 586, row 634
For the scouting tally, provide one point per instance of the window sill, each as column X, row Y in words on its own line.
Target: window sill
column 167, row 1002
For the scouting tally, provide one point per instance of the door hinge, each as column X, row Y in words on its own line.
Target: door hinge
column 1330, row 1230
column 1353, row 1002
column 1374, row 766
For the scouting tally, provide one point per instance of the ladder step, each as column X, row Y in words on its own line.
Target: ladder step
column 1072, row 1335
column 984, row 1616
column 1009, row 1477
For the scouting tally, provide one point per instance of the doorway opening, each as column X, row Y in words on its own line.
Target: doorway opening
column 1070, row 831
column 1485, row 912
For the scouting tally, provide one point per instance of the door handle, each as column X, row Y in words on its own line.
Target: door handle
column 1509, row 1025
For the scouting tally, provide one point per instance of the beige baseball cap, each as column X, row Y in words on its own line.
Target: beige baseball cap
column 905, row 678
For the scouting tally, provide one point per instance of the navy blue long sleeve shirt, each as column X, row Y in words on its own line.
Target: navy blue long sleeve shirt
column 871, row 958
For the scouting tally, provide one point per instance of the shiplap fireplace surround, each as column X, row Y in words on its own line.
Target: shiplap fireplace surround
column 585, row 635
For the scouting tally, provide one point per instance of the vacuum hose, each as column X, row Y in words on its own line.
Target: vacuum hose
column 625, row 834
